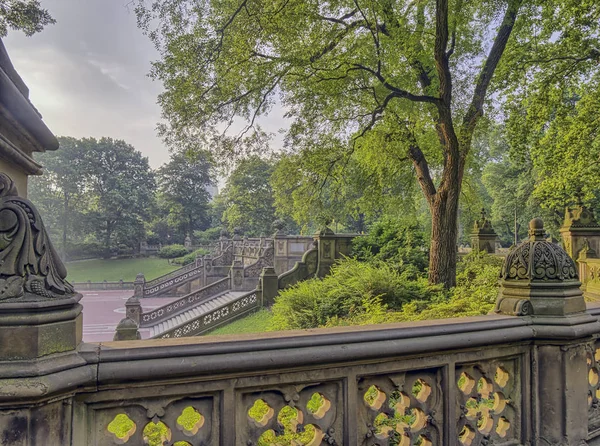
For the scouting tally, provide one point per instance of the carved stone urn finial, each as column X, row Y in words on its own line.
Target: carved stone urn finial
column 538, row 278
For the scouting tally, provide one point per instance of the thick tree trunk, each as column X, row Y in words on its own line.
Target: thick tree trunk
column 444, row 231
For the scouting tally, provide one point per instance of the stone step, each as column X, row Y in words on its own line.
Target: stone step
column 197, row 312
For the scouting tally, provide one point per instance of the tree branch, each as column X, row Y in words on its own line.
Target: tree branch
column 487, row 71
column 399, row 93
column 439, row 51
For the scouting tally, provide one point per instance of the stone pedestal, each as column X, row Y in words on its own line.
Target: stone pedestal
column 133, row 309
column 331, row 247
column 483, row 236
column 237, row 276
column 138, row 285
column 539, row 280
column 31, row 330
column 268, row 285
column 579, row 225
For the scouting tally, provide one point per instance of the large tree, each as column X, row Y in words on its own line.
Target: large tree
column 417, row 72
column 183, row 188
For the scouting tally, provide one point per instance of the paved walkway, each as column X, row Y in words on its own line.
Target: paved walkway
column 102, row 311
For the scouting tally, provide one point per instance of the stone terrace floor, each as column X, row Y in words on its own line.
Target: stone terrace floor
column 102, row 311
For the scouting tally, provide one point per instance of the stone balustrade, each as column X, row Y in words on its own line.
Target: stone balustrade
column 472, row 381
column 191, row 300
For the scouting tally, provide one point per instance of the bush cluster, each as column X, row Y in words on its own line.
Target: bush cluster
column 343, row 294
column 191, row 257
column 172, row 251
column 373, row 292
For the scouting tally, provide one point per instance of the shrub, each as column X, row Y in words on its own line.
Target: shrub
column 207, row 236
column 191, row 257
column 475, row 293
column 400, row 245
column 342, row 294
column 172, row 251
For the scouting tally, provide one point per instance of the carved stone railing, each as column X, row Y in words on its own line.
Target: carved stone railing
column 265, row 260
column 218, row 316
column 105, row 285
column 301, row 271
column 452, row 382
column 173, row 274
column 186, row 302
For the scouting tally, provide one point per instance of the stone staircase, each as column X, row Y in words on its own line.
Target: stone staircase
column 197, row 312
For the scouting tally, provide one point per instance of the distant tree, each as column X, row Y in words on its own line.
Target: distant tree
column 121, row 187
column 248, row 197
column 183, row 189
column 59, row 193
column 23, row 15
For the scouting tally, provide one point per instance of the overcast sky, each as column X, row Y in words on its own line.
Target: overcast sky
column 87, row 74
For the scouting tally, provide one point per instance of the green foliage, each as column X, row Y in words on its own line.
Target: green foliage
column 183, row 194
column 172, row 251
column 191, row 257
column 397, row 243
column 23, row 15
column 357, row 293
column 350, row 288
column 248, row 197
column 207, row 236
column 99, row 188
column 374, row 91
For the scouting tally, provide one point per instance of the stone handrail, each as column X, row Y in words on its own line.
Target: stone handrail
column 186, row 302
column 467, row 381
column 89, row 285
column 265, row 260
column 172, row 279
column 172, row 274
column 301, row 271
column 218, row 316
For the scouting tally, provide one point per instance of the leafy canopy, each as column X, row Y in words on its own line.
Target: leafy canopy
column 23, row 15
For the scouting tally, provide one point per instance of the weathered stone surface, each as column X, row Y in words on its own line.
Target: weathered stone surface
column 30, row 268
column 483, row 236
column 538, row 278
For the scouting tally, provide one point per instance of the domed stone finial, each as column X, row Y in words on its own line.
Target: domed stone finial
column 536, row 229
column 538, row 278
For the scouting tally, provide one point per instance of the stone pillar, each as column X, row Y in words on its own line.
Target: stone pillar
column 331, row 247
column 483, row 236
column 237, row 276
column 207, row 268
column 579, row 225
column 540, row 281
column 138, row 285
column 40, row 328
column 127, row 330
column 269, row 286
column 326, row 247
column 280, row 258
column 187, row 243
column 133, row 309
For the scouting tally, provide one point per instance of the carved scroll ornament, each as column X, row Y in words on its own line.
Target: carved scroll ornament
column 29, row 265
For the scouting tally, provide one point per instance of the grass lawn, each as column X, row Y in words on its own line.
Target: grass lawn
column 255, row 323
column 114, row 269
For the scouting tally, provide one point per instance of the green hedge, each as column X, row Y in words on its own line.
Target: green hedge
column 172, row 251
